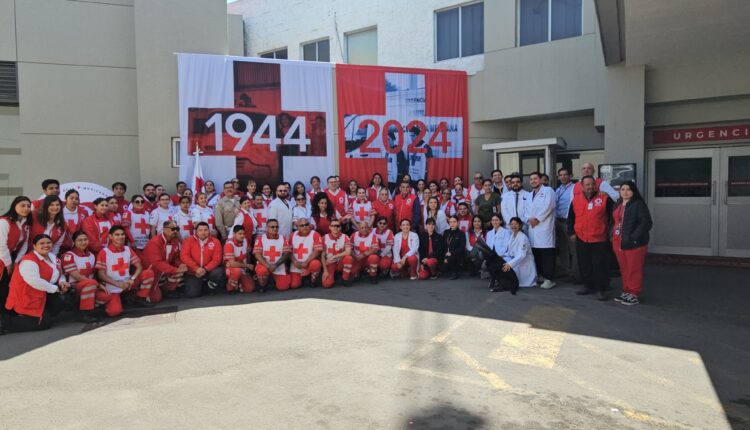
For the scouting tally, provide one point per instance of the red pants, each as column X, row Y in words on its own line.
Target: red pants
column 344, row 266
column 162, row 281
column 631, row 263
column 111, row 301
column 86, row 290
column 312, row 270
column 371, row 263
column 237, row 279
column 282, row 281
column 385, row 264
column 428, row 268
column 410, row 268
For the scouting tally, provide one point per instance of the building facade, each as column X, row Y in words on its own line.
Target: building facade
column 653, row 90
column 95, row 86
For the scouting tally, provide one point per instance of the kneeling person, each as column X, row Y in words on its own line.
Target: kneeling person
column 337, row 256
column 120, row 268
column 306, row 248
column 366, row 252
column 162, row 256
column 271, row 252
column 202, row 255
column 237, row 268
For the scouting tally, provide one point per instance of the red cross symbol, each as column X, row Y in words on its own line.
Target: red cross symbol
column 272, row 254
column 260, row 219
column 188, row 227
column 361, row 213
column 142, row 225
column 301, row 251
column 104, row 230
column 332, row 250
column 72, row 226
column 363, row 247
column 121, row 267
column 86, row 270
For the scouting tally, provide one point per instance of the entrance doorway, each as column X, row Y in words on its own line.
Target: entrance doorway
column 700, row 201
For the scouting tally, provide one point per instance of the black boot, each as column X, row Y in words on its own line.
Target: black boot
column 87, row 317
column 143, row 303
column 373, row 280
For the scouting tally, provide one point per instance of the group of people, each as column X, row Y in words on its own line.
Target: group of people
column 57, row 253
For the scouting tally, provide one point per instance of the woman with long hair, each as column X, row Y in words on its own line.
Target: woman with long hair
column 405, row 252
column 113, row 210
column 299, row 190
column 211, row 195
column 78, row 266
column 376, row 184
column 474, row 258
column 630, row 240
column 135, row 221
column 314, row 189
column 432, row 210
column 162, row 212
column 323, row 213
column 74, row 215
column 520, row 259
column 50, row 221
column 351, row 193
column 15, row 227
column 455, row 248
column 202, row 212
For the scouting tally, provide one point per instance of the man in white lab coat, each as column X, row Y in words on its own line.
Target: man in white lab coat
column 280, row 210
column 540, row 219
column 512, row 204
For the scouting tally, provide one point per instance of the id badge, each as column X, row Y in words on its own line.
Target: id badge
column 617, row 232
column 591, row 205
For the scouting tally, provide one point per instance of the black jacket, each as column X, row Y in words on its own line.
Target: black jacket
column 636, row 223
column 455, row 242
column 437, row 246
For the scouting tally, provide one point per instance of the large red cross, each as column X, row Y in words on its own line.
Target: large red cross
column 142, row 225
column 272, row 254
column 301, row 251
column 188, row 227
column 260, row 219
column 363, row 247
column 121, row 267
column 333, row 249
column 362, row 213
column 72, row 226
column 104, row 230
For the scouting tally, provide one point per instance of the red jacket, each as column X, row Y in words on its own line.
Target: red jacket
column 97, row 230
column 15, row 240
column 196, row 256
column 406, row 208
column 155, row 255
column 589, row 219
column 385, row 210
column 22, row 297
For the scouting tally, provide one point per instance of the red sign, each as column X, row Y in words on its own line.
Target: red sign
column 705, row 134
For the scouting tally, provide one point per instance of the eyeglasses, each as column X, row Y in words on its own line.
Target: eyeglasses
column 272, row 226
column 304, row 225
column 382, row 223
column 137, row 202
column 300, row 199
column 335, row 226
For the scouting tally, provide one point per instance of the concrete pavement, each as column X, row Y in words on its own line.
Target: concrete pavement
column 400, row 354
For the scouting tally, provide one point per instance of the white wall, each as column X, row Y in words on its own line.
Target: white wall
column 405, row 30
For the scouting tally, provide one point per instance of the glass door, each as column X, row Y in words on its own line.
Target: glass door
column 734, row 205
column 683, row 198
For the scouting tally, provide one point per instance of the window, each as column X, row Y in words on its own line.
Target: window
column 8, row 83
column 545, row 20
column 279, row 54
column 317, row 51
column 459, row 32
column 362, row 47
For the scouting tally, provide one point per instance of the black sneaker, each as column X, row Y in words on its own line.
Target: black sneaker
column 86, row 317
column 262, row 290
column 621, row 297
column 347, row 283
column 631, row 300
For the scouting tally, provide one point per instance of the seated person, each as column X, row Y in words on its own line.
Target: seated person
column 430, row 251
column 237, row 268
column 366, row 249
column 337, row 256
column 162, row 256
column 306, row 246
column 405, row 252
column 271, row 253
column 202, row 255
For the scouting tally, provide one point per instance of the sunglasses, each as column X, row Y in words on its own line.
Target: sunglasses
column 382, row 223
column 171, row 228
column 137, row 201
column 304, row 225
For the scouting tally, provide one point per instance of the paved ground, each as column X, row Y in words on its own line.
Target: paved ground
column 408, row 355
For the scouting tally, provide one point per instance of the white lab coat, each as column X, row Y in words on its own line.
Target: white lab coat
column 521, row 260
column 413, row 246
column 508, row 206
column 499, row 240
column 281, row 212
column 542, row 207
column 441, row 221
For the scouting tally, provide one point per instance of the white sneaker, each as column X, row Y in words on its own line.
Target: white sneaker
column 547, row 284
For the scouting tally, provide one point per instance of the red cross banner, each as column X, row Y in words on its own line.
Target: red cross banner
column 264, row 119
column 397, row 121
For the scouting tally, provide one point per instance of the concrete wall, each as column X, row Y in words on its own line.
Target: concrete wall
column 405, row 34
column 7, row 30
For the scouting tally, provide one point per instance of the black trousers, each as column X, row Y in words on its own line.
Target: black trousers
column 454, row 264
column 593, row 264
column 194, row 285
column 4, row 288
column 14, row 322
column 544, row 258
column 507, row 280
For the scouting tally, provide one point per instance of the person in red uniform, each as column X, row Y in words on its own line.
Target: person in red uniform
column 162, row 255
column 49, row 220
column 35, row 288
column 366, row 248
column 97, row 226
column 384, row 208
column 246, row 218
column 630, row 241
column 118, row 191
column 181, row 187
column 306, row 246
column 360, row 209
column 406, row 205
column 271, row 252
column 431, row 251
column 376, row 184
column 121, row 271
column 78, row 265
column 136, row 223
column 74, row 215
column 149, row 193
column 337, row 256
column 588, row 224
column 323, row 214
column 405, row 252
column 236, row 265
column 385, row 245
column 336, row 195
column 15, row 226
column 464, row 217
column 202, row 255
column 50, row 187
